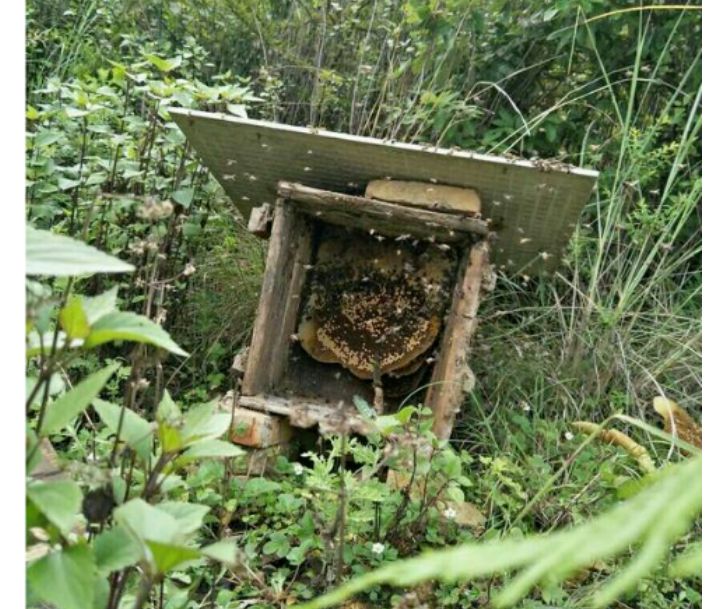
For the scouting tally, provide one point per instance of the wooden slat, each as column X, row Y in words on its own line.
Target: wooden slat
column 305, row 413
column 277, row 310
column 388, row 218
column 445, row 394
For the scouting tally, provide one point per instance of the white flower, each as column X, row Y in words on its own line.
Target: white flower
column 526, row 407
column 449, row 513
column 298, row 469
column 569, row 435
column 378, row 548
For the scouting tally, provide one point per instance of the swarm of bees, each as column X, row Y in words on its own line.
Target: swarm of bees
column 375, row 307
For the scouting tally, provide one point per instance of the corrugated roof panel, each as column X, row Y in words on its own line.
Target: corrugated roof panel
column 533, row 206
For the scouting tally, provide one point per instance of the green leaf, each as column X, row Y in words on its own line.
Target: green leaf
column 169, row 556
column 170, row 437
column 147, row 522
column 202, row 423
column 75, row 112
column 168, row 410
column 63, row 410
column 188, row 515
column 59, row 501
column 164, row 65
column 224, row 551
column 210, row 449
column 65, row 184
column 65, row 579
column 32, row 113
column 122, row 325
column 46, row 138
column 116, row 549
column 98, row 306
column 73, row 319
column 183, row 197
column 688, row 564
column 56, row 255
column 136, row 431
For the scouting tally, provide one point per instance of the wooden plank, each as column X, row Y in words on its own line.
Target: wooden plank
column 450, row 375
column 388, row 218
column 260, row 221
column 331, row 418
column 260, row 429
column 271, row 331
column 439, row 197
column 288, row 322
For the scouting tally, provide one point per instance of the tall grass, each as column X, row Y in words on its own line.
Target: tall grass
column 619, row 323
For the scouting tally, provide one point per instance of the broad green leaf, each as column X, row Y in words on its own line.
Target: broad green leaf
column 122, row 325
column 46, row 138
column 201, row 422
column 116, row 549
column 147, row 522
column 210, row 449
column 59, row 501
column 75, row 112
column 188, row 515
column 32, row 113
column 63, row 410
column 98, row 306
column 73, row 319
column 65, row 578
column 183, row 197
column 66, row 184
column 102, row 592
column 56, row 255
column 169, row 556
column 689, row 563
column 168, row 410
column 170, row 437
column 224, row 551
column 164, row 65
column 136, row 431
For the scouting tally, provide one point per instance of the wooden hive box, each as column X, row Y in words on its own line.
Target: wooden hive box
column 293, row 183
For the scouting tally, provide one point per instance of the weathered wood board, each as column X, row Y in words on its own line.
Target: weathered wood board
column 533, row 206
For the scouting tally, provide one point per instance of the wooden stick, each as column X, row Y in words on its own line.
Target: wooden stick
column 388, row 218
column 446, row 392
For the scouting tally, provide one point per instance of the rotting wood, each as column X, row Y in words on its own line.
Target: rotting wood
column 388, row 218
column 288, row 322
column 260, row 220
column 259, row 429
column 446, row 392
column 304, row 413
column 272, row 329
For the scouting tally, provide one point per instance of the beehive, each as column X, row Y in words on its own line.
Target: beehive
column 382, row 289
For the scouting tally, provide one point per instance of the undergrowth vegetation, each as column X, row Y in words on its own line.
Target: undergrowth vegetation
column 128, row 351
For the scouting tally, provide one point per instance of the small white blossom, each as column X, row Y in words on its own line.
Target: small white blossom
column 378, row 548
column 449, row 513
column 298, row 469
column 569, row 435
column 526, row 407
